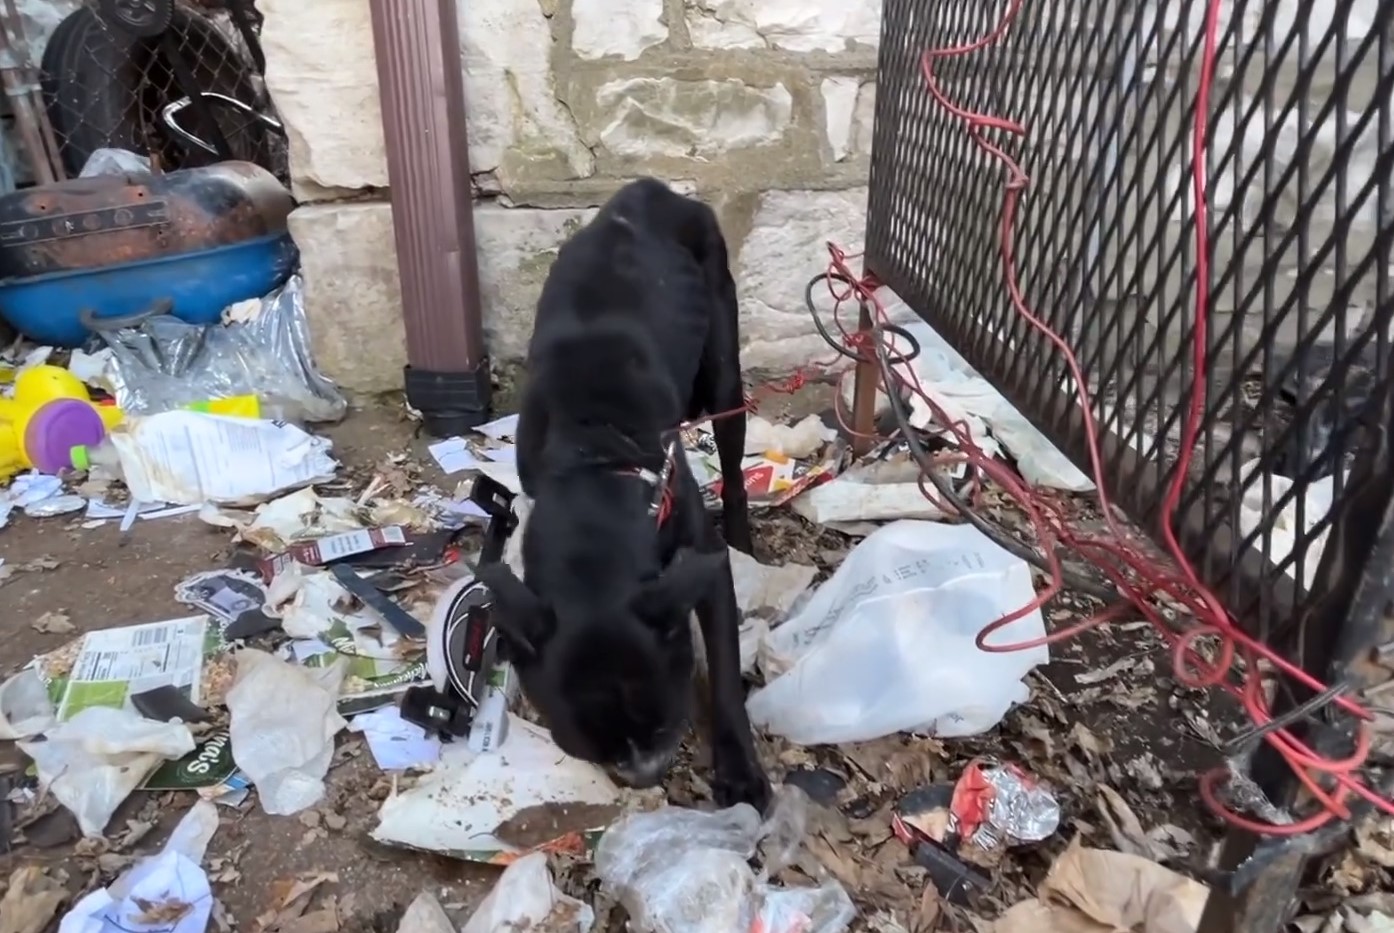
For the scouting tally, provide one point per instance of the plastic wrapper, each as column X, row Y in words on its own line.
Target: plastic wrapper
column 115, row 162
column 163, row 363
column 92, row 762
column 525, row 899
column 686, row 871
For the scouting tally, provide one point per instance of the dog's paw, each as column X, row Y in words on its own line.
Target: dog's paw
column 741, row 781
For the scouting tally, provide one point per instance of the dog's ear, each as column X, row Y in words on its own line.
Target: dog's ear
column 517, row 612
column 675, row 591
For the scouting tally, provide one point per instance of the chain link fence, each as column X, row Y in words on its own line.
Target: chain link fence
column 177, row 82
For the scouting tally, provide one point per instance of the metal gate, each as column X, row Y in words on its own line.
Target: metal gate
column 1287, row 501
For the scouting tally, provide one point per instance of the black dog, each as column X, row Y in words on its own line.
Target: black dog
column 636, row 332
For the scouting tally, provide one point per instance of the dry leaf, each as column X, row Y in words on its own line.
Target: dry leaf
column 1104, row 673
column 167, row 912
column 1123, row 824
column 927, row 917
column 1088, row 742
column 31, row 901
column 53, row 623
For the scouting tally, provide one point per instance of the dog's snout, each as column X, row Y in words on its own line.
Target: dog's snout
column 643, row 771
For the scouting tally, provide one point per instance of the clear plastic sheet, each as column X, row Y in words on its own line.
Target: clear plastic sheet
column 686, row 871
column 162, row 363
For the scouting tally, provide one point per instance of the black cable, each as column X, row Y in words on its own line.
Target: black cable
column 886, row 360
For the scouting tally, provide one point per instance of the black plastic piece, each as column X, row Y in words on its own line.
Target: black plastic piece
column 447, row 714
column 450, row 403
column 391, row 613
column 167, row 703
column 497, row 501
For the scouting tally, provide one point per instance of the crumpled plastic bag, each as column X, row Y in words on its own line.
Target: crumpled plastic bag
column 688, row 871
column 165, row 363
column 282, row 723
column 25, row 709
column 524, row 900
column 886, row 644
column 92, row 762
column 107, row 161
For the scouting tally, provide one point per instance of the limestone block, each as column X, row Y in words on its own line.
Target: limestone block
column 323, row 80
column 516, row 249
column 670, row 117
column 792, row 25
column 617, row 27
column 353, row 297
column 786, row 247
column 517, row 126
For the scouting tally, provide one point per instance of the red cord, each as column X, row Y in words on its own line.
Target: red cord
column 1134, row 572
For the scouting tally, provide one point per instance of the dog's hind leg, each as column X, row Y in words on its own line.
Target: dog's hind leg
column 738, row 776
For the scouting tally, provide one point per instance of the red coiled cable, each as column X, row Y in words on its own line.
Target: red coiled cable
column 1133, row 572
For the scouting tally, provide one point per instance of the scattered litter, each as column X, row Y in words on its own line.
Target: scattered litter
column 799, row 441
column 968, row 398
column 208, row 771
column 226, row 595
column 55, row 506
column 454, row 455
column 93, row 761
column 99, row 511
column 873, row 490
column 472, row 804
column 1283, row 528
column 765, row 595
column 30, row 902
column 771, row 477
column 500, row 428
column 114, row 664
column 395, row 743
column 109, row 161
column 524, row 900
column 165, row 893
column 1090, row 889
column 887, row 643
column 425, row 915
column 189, row 458
column 330, row 548
column 686, row 871
column 25, row 707
column 164, row 363
column 26, row 491
column 283, row 719
column 973, row 822
column 300, row 516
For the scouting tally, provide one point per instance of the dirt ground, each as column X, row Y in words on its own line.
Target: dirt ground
column 1116, row 738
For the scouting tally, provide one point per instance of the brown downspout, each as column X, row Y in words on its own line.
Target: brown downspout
column 422, row 87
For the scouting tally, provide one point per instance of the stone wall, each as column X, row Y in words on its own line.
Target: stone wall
column 761, row 107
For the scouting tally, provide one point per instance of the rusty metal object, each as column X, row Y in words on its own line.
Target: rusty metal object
column 421, row 84
column 93, row 222
column 21, row 83
column 864, row 386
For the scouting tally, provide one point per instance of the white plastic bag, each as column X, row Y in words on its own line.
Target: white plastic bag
column 114, row 162
column 92, row 762
column 687, row 871
column 282, row 723
column 887, row 643
column 25, row 708
column 526, row 901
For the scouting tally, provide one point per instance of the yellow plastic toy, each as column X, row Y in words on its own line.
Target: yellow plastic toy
column 33, row 389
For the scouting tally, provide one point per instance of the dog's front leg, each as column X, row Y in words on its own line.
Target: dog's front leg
column 738, row 776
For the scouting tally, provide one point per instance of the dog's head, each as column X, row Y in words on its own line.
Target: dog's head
column 612, row 678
